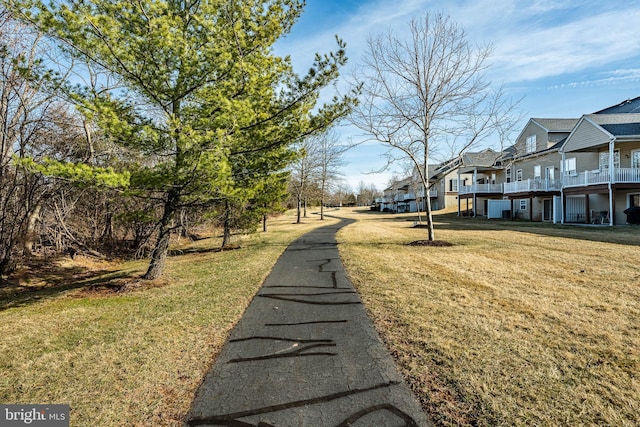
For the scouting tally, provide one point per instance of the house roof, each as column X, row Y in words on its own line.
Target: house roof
column 614, row 119
column 625, row 107
column 556, row 125
column 626, row 129
column 484, row 158
column 597, row 129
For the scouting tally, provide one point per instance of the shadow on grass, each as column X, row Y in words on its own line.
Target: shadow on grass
column 187, row 251
column 623, row 235
column 44, row 281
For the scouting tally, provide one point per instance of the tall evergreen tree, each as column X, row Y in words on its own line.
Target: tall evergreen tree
column 200, row 89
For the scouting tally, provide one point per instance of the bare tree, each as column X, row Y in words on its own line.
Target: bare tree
column 367, row 193
column 26, row 120
column 427, row 93
column 304, row 171
column 331, row 158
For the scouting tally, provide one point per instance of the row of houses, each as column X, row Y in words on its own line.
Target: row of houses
column 581, row 170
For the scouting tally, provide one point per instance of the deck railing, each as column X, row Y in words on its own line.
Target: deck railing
column 432, row 193
column 481, row 188
column 586, row 178
column 532, row 185
column 627, row 175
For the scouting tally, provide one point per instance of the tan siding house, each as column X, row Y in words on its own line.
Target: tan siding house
column 532, row 177
column 601, row 168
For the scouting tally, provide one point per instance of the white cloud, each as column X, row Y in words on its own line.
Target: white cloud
column 537, row 43
column 568, row 48
column 614, row 77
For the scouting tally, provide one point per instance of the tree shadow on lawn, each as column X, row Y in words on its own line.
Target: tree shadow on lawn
column 187, row 251
column 384, row 216
column 44, row 280
column 622, row 235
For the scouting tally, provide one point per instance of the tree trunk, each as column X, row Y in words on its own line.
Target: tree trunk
column 425, row 184
column 427, row 206
column 182, row 222
column 298, row 212
column 31, row 234
column 322, row 200
column 264, row 223
column 159, row 253
column 107, row 232
column 226, row 236
column 305, row 207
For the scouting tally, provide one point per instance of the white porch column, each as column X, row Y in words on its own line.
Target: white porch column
column 612, row 180
column 562, row 202
column 458, row 197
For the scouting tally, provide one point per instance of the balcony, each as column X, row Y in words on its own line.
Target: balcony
column 596, row 177
column 432, row 193
column 481, row 188
column 384, row 200
column 532, row 185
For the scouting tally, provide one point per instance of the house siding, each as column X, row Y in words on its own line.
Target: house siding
column 585, row 161
column 625, row 152
column 527, row 165
column 532, row 128
column 586, row 135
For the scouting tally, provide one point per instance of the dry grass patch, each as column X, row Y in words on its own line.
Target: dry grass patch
column 515, row 324
column 134, row 358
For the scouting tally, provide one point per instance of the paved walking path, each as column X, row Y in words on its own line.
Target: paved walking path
column 305, row 353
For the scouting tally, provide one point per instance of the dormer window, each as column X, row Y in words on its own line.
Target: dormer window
column 531, row 144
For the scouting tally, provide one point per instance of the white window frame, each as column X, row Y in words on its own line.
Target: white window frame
column 523, row 204
column 454, row 185
column 518, row 175
column 549, row 173
column 537, row 172
column 531, row 143
column 603, row 159
column 508, row 175
column 635, row 159
column 570, row 166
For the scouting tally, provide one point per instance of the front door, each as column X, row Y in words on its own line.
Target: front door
column 547, row 211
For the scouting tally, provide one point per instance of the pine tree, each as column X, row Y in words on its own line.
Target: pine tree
column 200, row 90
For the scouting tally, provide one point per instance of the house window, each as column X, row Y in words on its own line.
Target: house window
column 453, row 185
column 548, row 173
column 604, row 159
column 635, row 159
column 531, row 143
column 508, row 175
column 537, row 171
column 493, row 178
column 570, row 166
column 523, row 204
column 634, row 200
column 519, row 175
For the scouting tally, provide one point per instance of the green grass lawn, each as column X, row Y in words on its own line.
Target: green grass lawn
column 515, row 324
column 134, row 357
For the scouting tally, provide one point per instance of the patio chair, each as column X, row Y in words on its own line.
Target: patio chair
column 604, row 217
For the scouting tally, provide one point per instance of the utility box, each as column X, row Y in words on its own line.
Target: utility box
column 497, row 208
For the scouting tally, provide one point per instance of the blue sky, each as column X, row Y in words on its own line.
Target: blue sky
column 564, row 57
